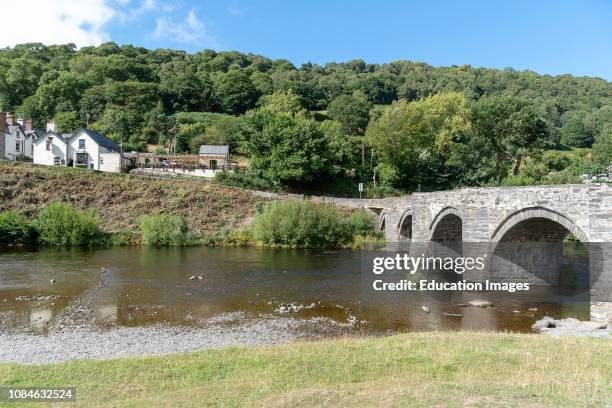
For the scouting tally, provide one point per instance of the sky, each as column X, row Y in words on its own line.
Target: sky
column 546, row 36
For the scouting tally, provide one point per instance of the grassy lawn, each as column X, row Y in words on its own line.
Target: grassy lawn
column 417, row 369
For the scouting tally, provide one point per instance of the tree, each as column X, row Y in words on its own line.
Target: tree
column 285, row 146
column 234, row 91
column 421, row 139
column 602, row 148
column 352, row 111
column 511, row 127
column 68, row 122
column 343, row 149
column 61, row 94
column 22, row 78
column 187, row 92
column 574, row 132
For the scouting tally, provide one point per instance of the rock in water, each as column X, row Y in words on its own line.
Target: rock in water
column 480, row 303
column 192, row 277
column 425, row 309
column 52, row 281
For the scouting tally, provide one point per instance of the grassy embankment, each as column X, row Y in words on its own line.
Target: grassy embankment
column 113, row 209
column 121, row 200
column 416, row 369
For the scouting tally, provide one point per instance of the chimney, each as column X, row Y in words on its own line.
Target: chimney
column 28, row 125
column 51, row 125
column 20, row 120
column 10, row 119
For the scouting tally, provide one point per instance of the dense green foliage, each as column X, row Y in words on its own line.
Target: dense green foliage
column 61, row 224
column 308, row 225
column 448, row 126
column 249, row 180
column 15, row 229
column 164, row 230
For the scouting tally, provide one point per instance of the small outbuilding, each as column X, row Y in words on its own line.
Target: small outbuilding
column 215, row 156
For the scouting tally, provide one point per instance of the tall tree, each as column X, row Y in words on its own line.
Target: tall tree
column 352, row 111
column 511, row 127
column 421, row 139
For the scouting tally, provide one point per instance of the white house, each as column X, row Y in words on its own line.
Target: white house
column 16, row 137
column 84, row 149
column 7, row 139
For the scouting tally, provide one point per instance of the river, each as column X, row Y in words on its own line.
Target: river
column 55, row 289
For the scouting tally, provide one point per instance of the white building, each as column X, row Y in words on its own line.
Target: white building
column 17, row 137
column 84, row 149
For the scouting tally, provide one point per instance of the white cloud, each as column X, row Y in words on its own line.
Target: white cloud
column 56, row 22
column 190, row 30
column 131, row 14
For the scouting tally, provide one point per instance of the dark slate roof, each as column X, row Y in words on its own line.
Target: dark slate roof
column 220, row 150
column 36, row 133
column 99, row 139
column 64, row 138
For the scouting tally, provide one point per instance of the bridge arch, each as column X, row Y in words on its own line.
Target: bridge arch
column 534, row 213
column 529, row 245
column 404, row 227
column 380, row 223
column 446, row 225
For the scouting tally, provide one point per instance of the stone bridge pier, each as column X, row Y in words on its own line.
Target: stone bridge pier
column 521, row 230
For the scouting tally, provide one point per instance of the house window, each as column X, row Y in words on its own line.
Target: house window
column 81, row 160
column 49, row 143
column 91, row 166
column 101, row 160
column 57, row 161
column 63, row 162
column 81, row 143
column 17, row 146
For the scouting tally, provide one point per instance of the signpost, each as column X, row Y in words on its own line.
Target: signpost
column 360, row 189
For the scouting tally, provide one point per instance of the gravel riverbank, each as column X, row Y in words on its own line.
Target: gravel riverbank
column 94, row 344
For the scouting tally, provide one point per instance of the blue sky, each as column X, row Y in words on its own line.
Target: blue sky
column 546, row 36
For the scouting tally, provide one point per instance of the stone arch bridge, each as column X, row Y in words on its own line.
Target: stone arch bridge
column 496, row 216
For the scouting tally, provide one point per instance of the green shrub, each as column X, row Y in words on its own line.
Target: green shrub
column 359, row 223
column 164, row 230
column 61, row 224
column 299, row 224
column 14, row 229
column 249, row 179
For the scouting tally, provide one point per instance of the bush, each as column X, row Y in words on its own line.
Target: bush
column 250, row 180
column 164, row 230
column 359, row 223
column 61, row 224
column 14, row 229
column 299, row 224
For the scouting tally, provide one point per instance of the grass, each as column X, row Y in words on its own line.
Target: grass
column 415, row 369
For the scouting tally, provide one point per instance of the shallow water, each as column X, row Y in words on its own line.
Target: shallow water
column 145, row 286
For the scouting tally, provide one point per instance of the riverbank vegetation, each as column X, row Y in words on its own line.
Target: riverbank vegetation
column 164, row 230
column 405, row 124
column 416, row 369
column 68, row 207
column 304, row 224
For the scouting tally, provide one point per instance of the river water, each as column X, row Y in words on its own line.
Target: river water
column 47, row 289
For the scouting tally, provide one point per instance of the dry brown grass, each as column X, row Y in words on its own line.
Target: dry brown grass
column 121, row 199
